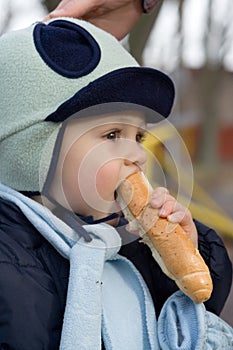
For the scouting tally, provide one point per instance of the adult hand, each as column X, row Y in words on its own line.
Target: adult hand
column 114, row 16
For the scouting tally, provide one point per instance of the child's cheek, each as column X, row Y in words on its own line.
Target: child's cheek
column 107, row 179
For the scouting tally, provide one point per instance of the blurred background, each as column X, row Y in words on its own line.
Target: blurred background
column 192, row 41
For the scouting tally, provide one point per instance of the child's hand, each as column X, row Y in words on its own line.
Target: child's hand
column 174, row 212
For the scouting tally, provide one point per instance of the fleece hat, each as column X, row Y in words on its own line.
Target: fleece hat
column 48, row 72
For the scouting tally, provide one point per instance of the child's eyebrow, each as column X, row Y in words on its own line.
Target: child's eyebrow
column 125, row 121
column 117, row 125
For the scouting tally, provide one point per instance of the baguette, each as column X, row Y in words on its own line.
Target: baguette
column 171, row 247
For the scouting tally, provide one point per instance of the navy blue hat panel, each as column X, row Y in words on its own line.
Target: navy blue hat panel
column 67, row 48
column 143, row 86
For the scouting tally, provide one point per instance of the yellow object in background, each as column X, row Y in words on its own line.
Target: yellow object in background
column 201, row 205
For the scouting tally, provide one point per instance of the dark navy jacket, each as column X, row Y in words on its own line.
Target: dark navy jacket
column 34, row 280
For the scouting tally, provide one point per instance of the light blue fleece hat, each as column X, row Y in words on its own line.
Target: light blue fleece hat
column 48, row 72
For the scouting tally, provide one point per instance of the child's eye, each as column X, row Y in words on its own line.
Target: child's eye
column 113, row 135
column 140, row 137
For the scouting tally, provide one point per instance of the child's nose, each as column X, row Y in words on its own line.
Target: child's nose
column 135, row 155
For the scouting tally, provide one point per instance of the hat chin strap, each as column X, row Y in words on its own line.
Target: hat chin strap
column 70, row 218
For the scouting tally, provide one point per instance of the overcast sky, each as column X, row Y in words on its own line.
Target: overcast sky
column 162, row 47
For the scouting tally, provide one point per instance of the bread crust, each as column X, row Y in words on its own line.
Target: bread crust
column 171, row 247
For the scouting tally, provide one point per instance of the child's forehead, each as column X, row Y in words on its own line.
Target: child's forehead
column 132, row 118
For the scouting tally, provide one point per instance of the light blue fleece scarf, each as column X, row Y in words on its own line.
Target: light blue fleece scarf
column 107, row 295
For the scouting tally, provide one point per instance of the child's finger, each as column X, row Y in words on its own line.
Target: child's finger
column 171, row 206
column 160, row 190
column 184, row 218
column 178, row 217
column 159, row 196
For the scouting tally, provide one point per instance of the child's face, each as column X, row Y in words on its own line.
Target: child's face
column 96, row 154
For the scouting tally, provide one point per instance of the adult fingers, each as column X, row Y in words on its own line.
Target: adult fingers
column 73, row 8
